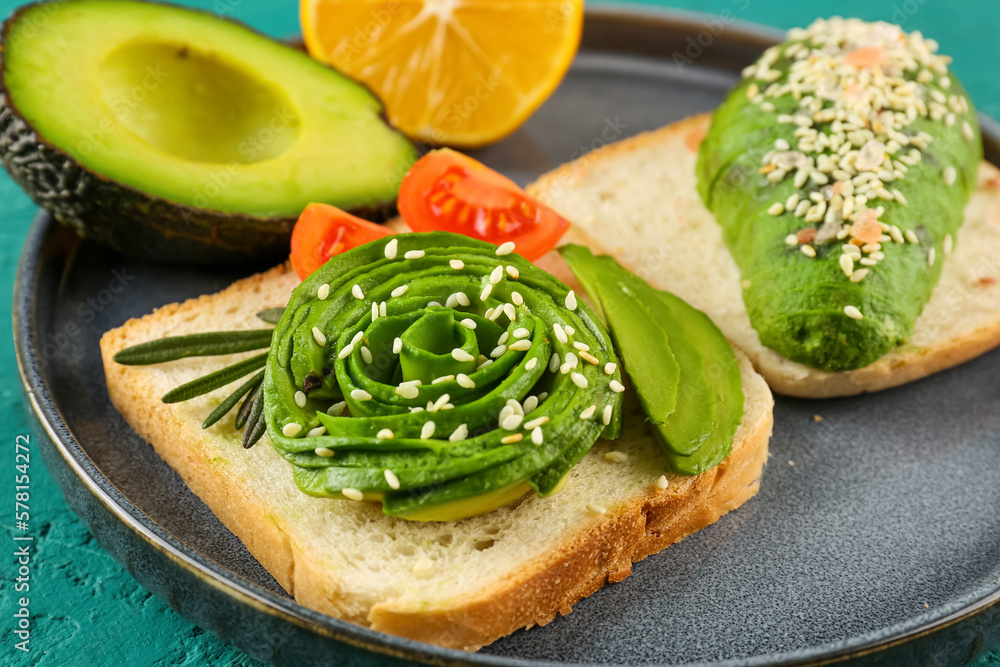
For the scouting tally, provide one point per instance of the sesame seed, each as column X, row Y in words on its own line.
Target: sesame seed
column 497, row 275
column 588, row 412
column 616, row 457
column 516, row 298
column 360, row 395
column 520, row 346
column 847, row 263
column 443, row 378
column 356, row 291
column 385, row 434
column 579, row 380
column 323, row 292
column 554, row 362
column 484, row 364
column 408, row 391
column 468, row 323
column 930, row 257
column 808, row 250
column 427, row 430
column 291, row 430
column 967, row 131
column 391, row 480
column 508, row 310
column 366, row 354
column 414, row 254
column 791, row 240
column 617, row 386
column 352, row 494
column 776, row 208
column 325, row 452
column 397, row 345
column 498, row 351
column 460, row 433
column 513, row 272
column 859, row 275
column 949, row 244
column 560, row 333
column 610, row 368
column 896, row 234
column 511, row 422
column 346, row 351
column 661, row 482
column 337, row 409
column 300, row 399
column 504, row 337
column 581, row 346
column 399, row 291
column 439, row 404
column 511, row 439
column 590, row 359
column 375, row 311
column 606, row 414
column 950, row 175
column 357, row 337
column 535, row 423
column 316, row 432
column 596, row 509
column 529, row 404
column 390, row 248
column 521, row 332
column 382, row 307
column 505, row 248
column 853, row 313
column 486, row 293
column 530, row 366
column 465, row 381
column 571, row 300
column 458, row 354
column 911, row 237
column 536, row 435
column 571, row 360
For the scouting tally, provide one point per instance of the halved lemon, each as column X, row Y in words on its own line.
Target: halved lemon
column 458, row 72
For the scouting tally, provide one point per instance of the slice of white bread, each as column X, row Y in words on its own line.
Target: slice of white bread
column 460, row 584
column 637, row 200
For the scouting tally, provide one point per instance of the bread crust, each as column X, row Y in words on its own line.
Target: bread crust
column 600, row 550
column 932, row 348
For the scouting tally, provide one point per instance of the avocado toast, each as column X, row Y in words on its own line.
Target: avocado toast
column 649, row 185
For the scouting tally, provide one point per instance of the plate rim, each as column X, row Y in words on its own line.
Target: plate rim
column 39, row 400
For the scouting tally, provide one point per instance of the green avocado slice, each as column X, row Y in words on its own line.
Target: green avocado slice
column 439, row 391
column 658, row 335
column 183, row 135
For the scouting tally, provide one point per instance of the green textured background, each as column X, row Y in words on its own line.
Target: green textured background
column 86, row 609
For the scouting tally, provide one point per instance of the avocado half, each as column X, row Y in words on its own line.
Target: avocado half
column 172, row 134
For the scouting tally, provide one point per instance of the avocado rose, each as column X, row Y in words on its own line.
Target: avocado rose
column 441, row 375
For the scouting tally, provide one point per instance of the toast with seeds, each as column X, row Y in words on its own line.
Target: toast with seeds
column 645, row 190
column 460, row 584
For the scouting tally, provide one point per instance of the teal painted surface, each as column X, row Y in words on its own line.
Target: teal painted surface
column 85, row 609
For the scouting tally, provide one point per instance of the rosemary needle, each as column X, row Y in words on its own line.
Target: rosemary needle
column 213, row 381
column 195, row 345
column 271, row 315
column 255, row 424
column 233, row 399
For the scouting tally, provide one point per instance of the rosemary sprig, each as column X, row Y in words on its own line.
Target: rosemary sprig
column 234, row 398
column 271, row 315
column 256, row 426
column 195, row 345
column 215, row 380
column 244, row 412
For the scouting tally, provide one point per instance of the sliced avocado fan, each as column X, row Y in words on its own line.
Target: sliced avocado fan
column 683, row 370
column 171, row 133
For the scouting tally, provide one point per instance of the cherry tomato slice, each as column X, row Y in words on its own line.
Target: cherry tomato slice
column 323, row 231
column 448, row 191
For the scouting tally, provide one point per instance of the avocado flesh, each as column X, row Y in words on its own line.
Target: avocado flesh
column 437, row 477
column 178, row 121
column 795, row 303
column 649, row 325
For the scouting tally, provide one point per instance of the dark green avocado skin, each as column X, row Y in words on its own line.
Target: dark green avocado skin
column 796, row 304
column 133, row 222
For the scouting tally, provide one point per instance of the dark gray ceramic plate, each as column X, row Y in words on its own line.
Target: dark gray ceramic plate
column 880, row 545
